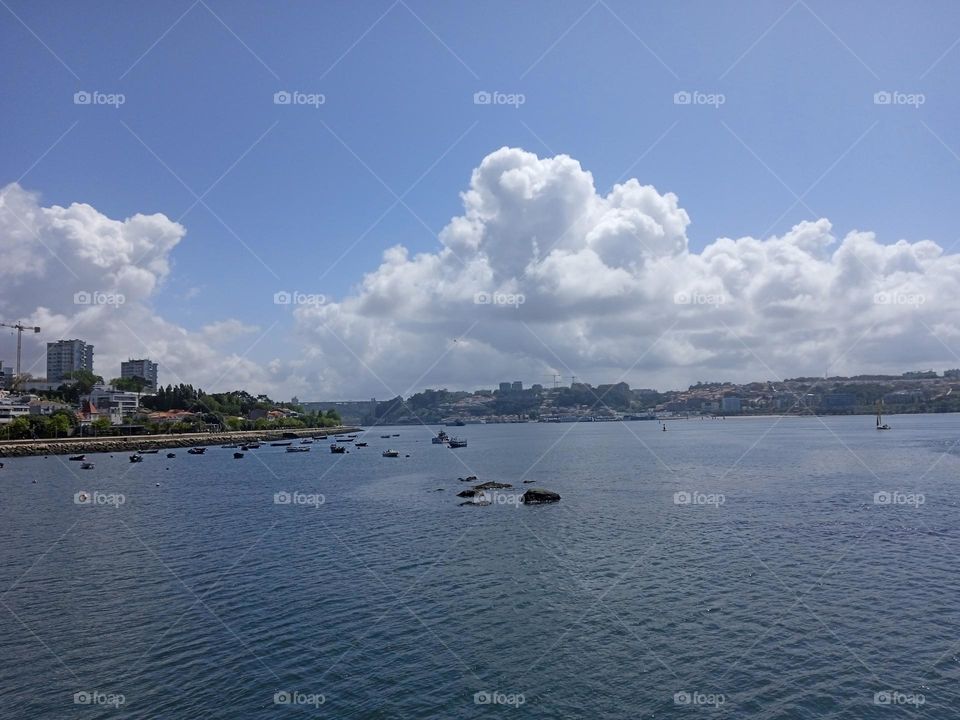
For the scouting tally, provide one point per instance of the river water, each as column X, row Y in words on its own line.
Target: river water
column 763, row 568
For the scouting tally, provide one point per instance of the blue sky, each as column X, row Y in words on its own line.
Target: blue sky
column 300, row 185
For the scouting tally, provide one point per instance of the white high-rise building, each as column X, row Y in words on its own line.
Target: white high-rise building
column 65, row 356
column 141, row 368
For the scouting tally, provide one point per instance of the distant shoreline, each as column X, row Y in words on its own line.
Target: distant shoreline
column 130, row 443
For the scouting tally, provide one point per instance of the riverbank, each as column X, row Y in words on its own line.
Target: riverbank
column 129, row 443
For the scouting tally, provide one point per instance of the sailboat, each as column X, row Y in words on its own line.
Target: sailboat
column 881, row 425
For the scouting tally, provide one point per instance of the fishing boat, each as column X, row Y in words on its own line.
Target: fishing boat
column 237, row 455
column 440, row 438
column 136, row 458
column 337, row 449
column 87, row 466
column 880, row 424
column 197, row 450
column 391, row 453
column 280, row 444
column 78, row 458
column 298, row 449
column 361, row 444
column 457, row 443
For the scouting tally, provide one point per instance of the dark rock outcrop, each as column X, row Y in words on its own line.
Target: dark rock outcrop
column 538, row 496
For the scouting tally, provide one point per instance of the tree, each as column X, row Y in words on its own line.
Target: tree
column 58, row 424
column 101, row 425
column 83, row 382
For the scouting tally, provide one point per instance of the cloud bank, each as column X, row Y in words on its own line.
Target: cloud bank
column 540, row 274
column 610, row 290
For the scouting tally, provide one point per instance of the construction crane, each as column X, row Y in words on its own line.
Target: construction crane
column 556, row 380
column 19, row 327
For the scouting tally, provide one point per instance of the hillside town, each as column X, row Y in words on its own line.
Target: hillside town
column 73, row 400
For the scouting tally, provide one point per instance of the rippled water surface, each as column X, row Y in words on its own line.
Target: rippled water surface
column 786, row 588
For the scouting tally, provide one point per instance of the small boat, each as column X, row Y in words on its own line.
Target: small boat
column 244, row 447
column 440, row 438
column 171, row 455
column 85, row 466
column 391, row 453
column 457, row 443
column 396, row 434
column 361, row 444
column 880, row 424
column 229, row 447
column 147, row 452
column 78, row 458
column 385, row 437
column 252, row 446
column 334, row 448
column 280, row 444
column 456, row 423
column 664, row 428
column 298, row 449
column 308, row 441
column 237, row 455
column 197, row 450
column 136, row 458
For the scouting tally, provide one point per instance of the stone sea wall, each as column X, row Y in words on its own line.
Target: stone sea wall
column 78, row 446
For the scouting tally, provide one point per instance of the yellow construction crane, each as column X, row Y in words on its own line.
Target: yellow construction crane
column 19, row 327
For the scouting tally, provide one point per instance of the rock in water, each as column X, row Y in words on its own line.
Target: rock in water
column 492, row 486
column 535, row 496
column 468, row 493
